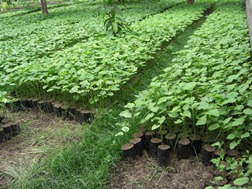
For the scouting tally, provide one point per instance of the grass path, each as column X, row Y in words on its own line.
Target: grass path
column 87, row 164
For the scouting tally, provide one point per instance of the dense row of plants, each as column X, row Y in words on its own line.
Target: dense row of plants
column 208, row 88
column 207, row 91
column 41, row 36
column 82, row 22
column 93, row 70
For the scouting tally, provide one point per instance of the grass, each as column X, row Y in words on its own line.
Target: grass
column 86, row 164
column 40, row 136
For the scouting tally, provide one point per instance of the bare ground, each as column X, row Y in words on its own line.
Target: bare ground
column 144, row 173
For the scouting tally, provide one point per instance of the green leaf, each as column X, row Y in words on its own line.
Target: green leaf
column 214, row 112
column 74, row 89
column 130, row 105
column 162, row 100
column 230, row 100
column 218, row 144
column 188, row 86
column 231, row 78
column 161, row 120
column 247, row 111
column 214, row 126
column 126, row 114
column 125, row 129
column 249, row 103
column 147, row 117
column 155, row 126
column 76, row 97
column 241, row 181
column 202, row 120
column 186, row 113
column 231, row 136
column 209, row 187
column 233, row 144
column 119, row 134
column 226, row 121
column 238, row 121
column 245, row 135
column 178, row 121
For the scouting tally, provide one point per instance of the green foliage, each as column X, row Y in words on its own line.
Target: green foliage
column 236, row 168
column 97, row 67
column 114, row 23
column 209, row 85
column 6, row 5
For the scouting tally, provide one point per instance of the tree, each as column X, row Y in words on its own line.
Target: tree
column 44, row 7
column 190, row 1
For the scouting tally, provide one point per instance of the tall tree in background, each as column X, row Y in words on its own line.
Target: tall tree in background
column 190, row 1
column 44, row 6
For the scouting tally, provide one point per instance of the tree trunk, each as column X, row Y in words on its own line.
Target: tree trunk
column 44, row 7
column 249, row 20
column 190, row 1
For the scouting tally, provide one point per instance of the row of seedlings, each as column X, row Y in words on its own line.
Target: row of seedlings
column 208, row 88
column 87, row 72
column 160, row 144
column 69, row 112
column 8, row 129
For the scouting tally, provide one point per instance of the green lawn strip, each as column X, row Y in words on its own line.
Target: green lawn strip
column 87, row 165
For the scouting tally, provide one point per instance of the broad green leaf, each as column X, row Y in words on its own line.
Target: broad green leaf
column 126, row 114
column 130, row 105
column 161, row 120
column 209, row 187
column 214, row 112
column 125, row 129
column 119, row 134
column 232, row 77
column 231, row 136
column 214, row 126
column 204, row 105
column 230, row 100
column 178, row 121
column 249, row 103
column 74, row 89
column 149, row 116
column 226, row 121
column 247, row 111
column 245, row 135
column 162, row 100
column 188, row 86
column 186, row 113
column 216, row 144
column 238, row 121
column 233, row 144
column 241, row 181
column 76, row 97
column 202, row 120
column 155, row 126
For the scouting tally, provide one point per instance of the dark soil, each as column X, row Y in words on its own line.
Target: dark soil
column 144, row 173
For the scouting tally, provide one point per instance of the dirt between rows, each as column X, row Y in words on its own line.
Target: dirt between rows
column 144, row 173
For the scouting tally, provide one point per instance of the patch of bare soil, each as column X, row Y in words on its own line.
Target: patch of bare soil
column 144, row 173
column 40, row 134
